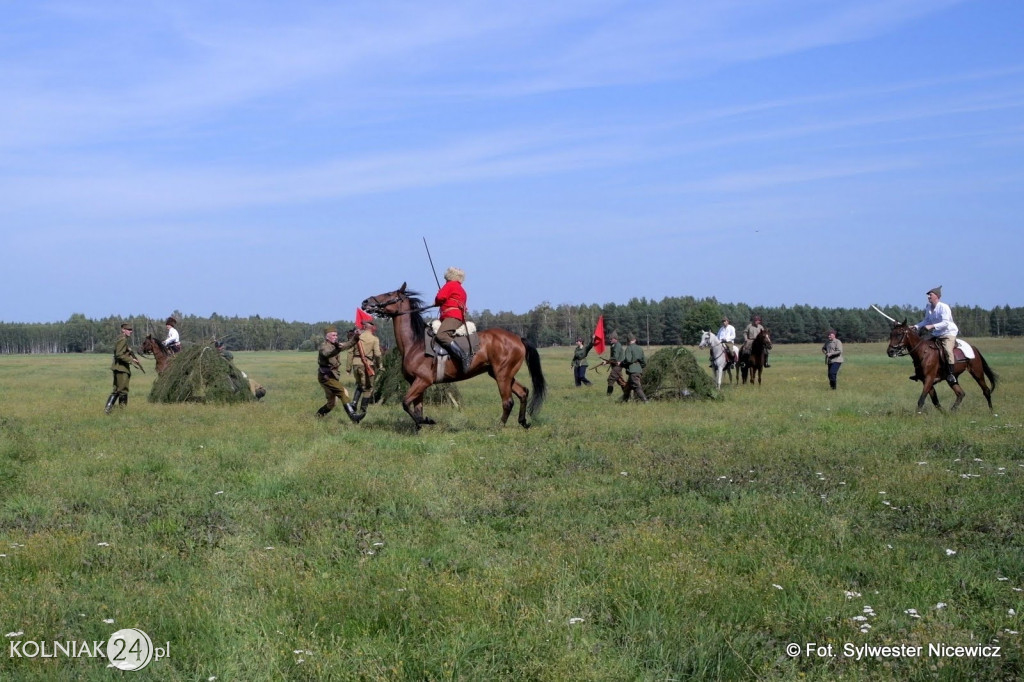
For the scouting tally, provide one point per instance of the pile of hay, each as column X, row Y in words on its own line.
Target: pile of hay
column 390, row 384
column 200, row 373
column 673, row 374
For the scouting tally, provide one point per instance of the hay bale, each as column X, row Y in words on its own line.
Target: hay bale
column 673, row 373
column 200, row 373
column 390, row 383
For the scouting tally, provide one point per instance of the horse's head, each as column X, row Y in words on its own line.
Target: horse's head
column 392, row 303
column 705, row 339
column 766, row 338
column 901, row 338
column 148, row 345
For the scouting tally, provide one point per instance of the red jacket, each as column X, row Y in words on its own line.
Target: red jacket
column 452, row 299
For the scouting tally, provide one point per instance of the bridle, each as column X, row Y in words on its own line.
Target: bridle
column 399, row 297
column 711, row 343
column 901, row 347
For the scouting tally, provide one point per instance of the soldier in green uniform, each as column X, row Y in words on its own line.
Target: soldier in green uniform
column 579, row 363
column 368, row 348
column 634, row 362
column 329, row 372
column 124, row 358
column 615, row 357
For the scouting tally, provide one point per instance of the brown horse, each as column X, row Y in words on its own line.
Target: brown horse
column 501, row 353
column 752, row 361
column 151, row 346
column 931, row 366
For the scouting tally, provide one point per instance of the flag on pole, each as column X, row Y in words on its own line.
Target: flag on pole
column 599, row 335
column 362, row 317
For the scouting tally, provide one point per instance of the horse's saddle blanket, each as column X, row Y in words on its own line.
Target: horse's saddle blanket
column 469, row 344
column 465, row 330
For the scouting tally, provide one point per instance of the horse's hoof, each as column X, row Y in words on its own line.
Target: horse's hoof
column 525, row 424
column 428, row 421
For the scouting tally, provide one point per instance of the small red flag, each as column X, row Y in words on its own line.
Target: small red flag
column 362, row 317
column 599, row 335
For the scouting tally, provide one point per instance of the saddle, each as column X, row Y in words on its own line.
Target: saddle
column 961, row 353
column 469, row 343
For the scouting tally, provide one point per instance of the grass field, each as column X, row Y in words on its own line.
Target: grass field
column 666, row 541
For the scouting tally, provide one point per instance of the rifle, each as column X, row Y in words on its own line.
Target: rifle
column 135, row 360
column 362, row 356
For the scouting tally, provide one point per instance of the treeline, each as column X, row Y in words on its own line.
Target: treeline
column 670, row 321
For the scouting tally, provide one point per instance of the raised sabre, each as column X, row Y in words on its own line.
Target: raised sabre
column 883, row 314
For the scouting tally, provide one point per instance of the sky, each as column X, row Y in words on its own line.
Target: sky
column 289, row 159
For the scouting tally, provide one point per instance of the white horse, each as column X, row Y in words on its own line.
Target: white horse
column 719, row 356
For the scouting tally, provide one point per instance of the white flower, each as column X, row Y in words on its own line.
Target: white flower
column 777, row 587
column 1002, row 579
column 859, row 618
column 1011, row 612
column 108, row 621
column 103, row 544
column 850, row 594
column 912, row 613
column 575, row 621
column 950, row 552
column 219, row 492
column 19, row 633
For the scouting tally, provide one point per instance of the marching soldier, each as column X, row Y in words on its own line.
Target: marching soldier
column 124, row 358
column 615, row 356
column 364, row 362
column 329, row 372
column 634, row 362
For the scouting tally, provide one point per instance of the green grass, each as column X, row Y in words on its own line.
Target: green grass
column 244, row 534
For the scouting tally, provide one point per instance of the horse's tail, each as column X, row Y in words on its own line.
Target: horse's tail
column 540, row 386
column 992, row 376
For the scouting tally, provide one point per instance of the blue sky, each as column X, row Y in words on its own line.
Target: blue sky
column 287, row 159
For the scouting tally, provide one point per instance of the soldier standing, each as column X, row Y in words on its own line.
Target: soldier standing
column 364, row 362
column 634, row 362
column 124, row 358
column 329, row 372
column 579, row 363
column 615, row 357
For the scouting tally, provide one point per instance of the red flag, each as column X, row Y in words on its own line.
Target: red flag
column 599, row 335
column 362, row 317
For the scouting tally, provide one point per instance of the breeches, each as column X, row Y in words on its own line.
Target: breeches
column 446, row 332
column 363, row 380
column 333, row 389
column 615, row 376
column 121, row 380
column 948, row 344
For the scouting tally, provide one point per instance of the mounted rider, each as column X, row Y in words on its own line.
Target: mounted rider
column 451, row 299
column 172, row 344
column 727, row 335
column 938, row 324
column 750, row 333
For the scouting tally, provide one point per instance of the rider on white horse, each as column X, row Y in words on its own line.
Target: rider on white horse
column 727, row 335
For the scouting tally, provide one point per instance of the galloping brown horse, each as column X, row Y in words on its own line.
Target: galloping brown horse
column 753, row 362
column 501, row 354
column 154, row 347
column 930, row 365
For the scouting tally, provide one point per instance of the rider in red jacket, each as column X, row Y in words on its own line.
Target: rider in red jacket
column 451, row 299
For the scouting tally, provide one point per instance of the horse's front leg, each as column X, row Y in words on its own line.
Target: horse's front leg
column 413, row 402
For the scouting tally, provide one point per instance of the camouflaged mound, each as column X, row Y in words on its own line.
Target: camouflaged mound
column 201, row 374
column 391, row 385
column 673, row 374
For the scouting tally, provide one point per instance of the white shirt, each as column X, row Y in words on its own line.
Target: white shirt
column 727, row 333
column 942, row 317
column 172, row 337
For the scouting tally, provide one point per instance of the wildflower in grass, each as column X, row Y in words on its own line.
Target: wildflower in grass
column 1010, row 632
column 19, row 633
column 108, row 621
column 777, row 587
column 950, row 552
column 103, row 544
column 219, row 492
column 851, row 595
column 941, row 605
column 859, row 618
column 912, row 613
column 869, row 611
column 575, row 621
column 1002, row 579
column 1011, row 612
column 920, row 463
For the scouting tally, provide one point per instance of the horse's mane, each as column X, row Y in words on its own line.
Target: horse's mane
column 419, row 325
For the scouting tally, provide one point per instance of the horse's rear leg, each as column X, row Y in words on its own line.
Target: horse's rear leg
column 521, row 392
column 979, row 377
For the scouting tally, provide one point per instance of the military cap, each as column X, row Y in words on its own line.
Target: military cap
column 330, row 328
column 632, row 336
column 127, row 326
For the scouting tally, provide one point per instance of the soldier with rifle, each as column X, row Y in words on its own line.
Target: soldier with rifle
column 614, row 360
column 364, row 362
column 124, row 358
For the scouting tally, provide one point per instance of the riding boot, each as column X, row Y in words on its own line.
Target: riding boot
column 832, row 385
column 766, row 365
column 362, row 406
column 610, row 390
column 950, row 376
column 456, row 352
column 323, row 411
column 123, row 400
column 350, row 408
column 110, row 403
